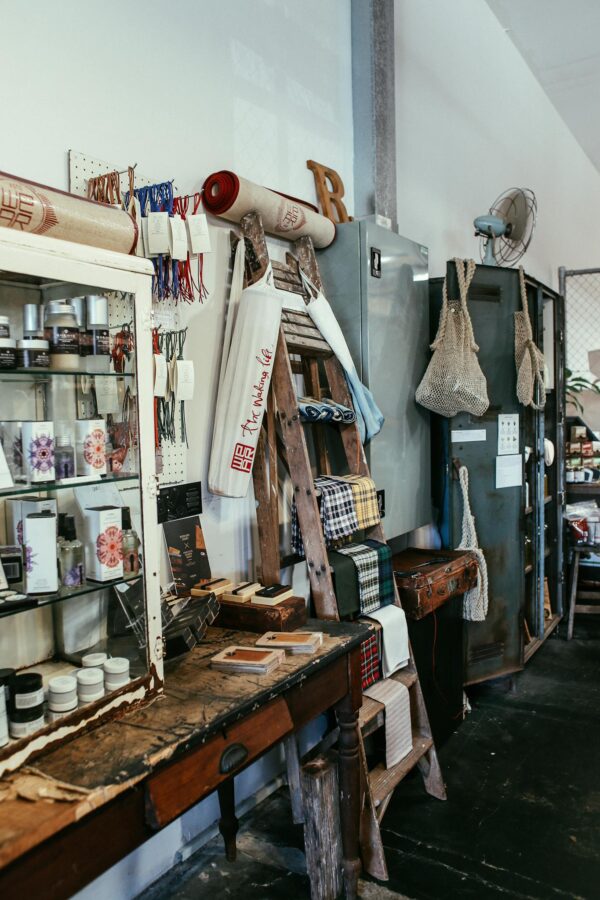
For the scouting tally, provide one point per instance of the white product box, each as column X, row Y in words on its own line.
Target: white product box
column 39, row 556
column 38, row 450
column 16, row 510
column 90, row 439
column 103, row 543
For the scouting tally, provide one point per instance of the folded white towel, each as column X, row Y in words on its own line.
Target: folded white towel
column 394, row 638
column 398, row 732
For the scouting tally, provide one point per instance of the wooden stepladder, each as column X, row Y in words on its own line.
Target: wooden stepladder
column 302, row 350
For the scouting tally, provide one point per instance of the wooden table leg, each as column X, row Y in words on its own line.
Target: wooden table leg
column 573, row 592
column 228, row 823
column 349, row 780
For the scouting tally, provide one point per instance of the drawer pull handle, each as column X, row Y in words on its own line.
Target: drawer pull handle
column 232, row 758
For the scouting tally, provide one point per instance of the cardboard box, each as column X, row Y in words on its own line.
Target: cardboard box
column 38, row 451
column 39, row 545
column 16, row 510
column 103, row 539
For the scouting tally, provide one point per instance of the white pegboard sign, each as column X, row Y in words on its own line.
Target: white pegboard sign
column 82, row 167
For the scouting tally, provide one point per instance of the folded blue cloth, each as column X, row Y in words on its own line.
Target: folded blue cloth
column 324, row 411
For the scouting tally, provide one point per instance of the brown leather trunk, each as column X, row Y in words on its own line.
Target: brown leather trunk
column 286, row 616
column 428, row 578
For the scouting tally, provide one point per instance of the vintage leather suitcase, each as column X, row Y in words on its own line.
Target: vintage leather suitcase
column 428, row 578
column 286, row 616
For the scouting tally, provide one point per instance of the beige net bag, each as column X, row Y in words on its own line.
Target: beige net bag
column 529, row 360
column 454, row 381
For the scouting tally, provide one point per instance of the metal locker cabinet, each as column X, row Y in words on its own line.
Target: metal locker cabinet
column 383, row 311
column 493, row 647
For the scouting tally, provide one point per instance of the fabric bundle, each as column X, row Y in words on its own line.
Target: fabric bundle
column 345, row 584
column 338, row 513
column 226, row 194
column 370, row 660
column 395, row 651
column 386, row 572
column 324, row 411
column 398, row 730
column 365, row 499
column 366, row 561
column 348, row 503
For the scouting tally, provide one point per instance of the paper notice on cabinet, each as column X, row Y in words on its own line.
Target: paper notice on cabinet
column 509, row 471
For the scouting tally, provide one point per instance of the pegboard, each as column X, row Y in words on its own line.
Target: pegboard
column 82, row 167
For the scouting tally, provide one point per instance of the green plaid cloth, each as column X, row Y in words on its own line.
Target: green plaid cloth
column 386, row 572
column 364, row 493
column 366, row 561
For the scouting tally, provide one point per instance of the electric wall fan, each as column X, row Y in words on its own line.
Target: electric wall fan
column 505, row 232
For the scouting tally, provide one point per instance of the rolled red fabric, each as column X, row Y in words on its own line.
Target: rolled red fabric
column 39, row 209
column 226, row 194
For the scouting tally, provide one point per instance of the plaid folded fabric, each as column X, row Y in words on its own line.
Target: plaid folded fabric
column 365, row 499
column 366, row 561
column 338, row 513
column 370, row 661
column 386, row 572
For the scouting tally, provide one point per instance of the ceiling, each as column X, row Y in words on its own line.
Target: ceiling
column 560, row 41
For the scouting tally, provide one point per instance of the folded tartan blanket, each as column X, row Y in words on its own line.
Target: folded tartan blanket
column 338, row 513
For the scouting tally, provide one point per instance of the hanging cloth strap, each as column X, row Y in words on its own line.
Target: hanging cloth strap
column 529, row 360
column 475, row 601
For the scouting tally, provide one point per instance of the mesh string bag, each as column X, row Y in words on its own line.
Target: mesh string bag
column 529, row 360
column 454, row 381
column 475, row 601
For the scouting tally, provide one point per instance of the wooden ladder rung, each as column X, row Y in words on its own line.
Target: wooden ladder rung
column 383, row 781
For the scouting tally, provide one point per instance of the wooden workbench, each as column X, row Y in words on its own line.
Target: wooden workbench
column 141, row 771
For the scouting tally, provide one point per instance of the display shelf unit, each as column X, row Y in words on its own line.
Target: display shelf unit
column 49, row 633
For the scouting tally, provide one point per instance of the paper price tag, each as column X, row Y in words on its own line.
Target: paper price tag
column 144, row 233
column 130, row 370
column 160, row 375
column 198, row 236
column 178, row 243
column 184, row 380
column 158, row 233
column 107, row 397
column 172, row 375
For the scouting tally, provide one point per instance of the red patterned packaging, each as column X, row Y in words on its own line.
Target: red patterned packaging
column 370, row 660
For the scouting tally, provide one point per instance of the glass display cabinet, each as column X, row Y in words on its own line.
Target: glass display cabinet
column 80, row 629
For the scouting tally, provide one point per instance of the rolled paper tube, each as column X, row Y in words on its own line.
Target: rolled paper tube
column 38, row 209
column 227, row 195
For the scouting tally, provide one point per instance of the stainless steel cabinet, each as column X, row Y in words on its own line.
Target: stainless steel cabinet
column 377, row 283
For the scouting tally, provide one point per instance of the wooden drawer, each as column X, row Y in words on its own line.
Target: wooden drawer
column 196, row 774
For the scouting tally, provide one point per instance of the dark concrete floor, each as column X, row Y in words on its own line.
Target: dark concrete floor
column 522, row 817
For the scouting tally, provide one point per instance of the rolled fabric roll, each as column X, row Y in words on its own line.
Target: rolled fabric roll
column 39, row 209
column 226, row 194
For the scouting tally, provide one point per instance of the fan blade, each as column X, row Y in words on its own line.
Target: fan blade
column 514, row 209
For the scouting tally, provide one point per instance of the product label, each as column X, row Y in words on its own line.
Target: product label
column 33, row 359
column 22, row 729
column 63, row 340
column 99, row 342
column 8, row 358
column 131, row 561
column 4, row 331
column 26, row 701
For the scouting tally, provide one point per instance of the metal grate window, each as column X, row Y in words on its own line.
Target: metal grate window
column 582, row 315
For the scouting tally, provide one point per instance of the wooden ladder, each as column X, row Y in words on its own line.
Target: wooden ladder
column 301, row 349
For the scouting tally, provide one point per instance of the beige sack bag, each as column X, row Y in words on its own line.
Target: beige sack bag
column 529, row 360
column 454, row 381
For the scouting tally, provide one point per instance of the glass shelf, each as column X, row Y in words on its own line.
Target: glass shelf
column 39, row 601
column 28, row 375
column 43, row 486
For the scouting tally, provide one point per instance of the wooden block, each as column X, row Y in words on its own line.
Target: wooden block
column 286, row 616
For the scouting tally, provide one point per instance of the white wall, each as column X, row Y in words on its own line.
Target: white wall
column 182, row 89
column 473, row 121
